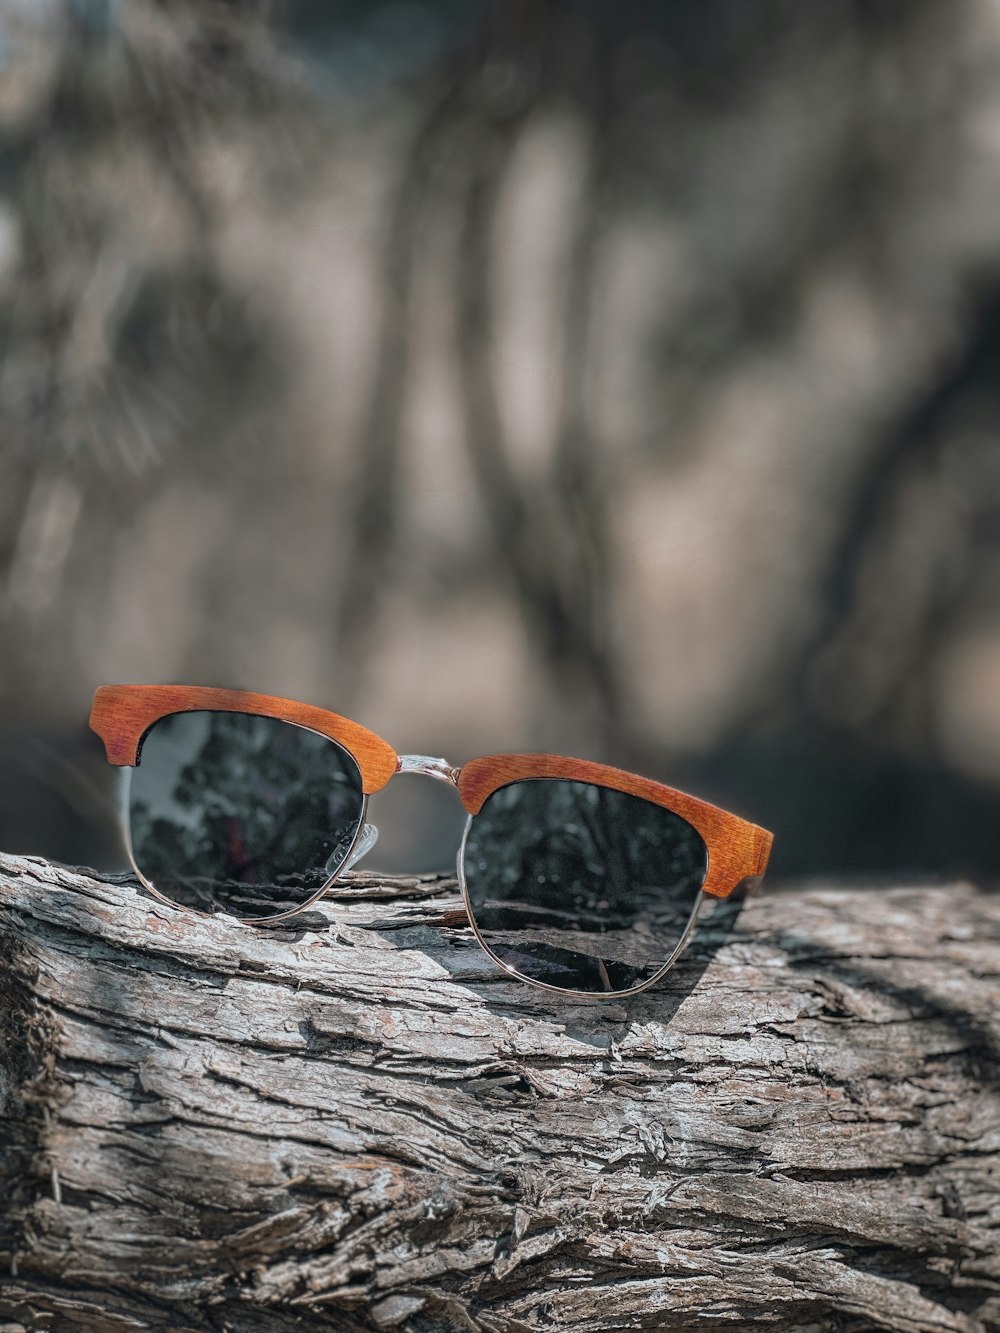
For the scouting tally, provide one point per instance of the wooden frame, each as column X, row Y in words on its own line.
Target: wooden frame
column 737, row 850
column 122, row 714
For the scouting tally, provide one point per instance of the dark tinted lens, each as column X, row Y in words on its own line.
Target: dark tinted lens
column 579, row 886
column 241, row 814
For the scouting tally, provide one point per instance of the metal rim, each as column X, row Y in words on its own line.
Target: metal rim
column 125, row 791
column 562, row 990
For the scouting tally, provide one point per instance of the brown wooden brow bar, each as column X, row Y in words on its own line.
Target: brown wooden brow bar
column 737, row 850
column 122, row 714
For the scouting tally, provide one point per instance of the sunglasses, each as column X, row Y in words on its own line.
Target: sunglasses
column 577, row 877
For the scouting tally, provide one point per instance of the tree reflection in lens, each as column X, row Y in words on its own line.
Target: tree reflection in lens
column 579, row 886
column 235, row 813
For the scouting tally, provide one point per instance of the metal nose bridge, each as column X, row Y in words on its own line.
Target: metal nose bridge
column 429, row 767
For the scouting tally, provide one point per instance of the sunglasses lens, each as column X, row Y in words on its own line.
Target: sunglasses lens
column 229, row 812
column 581, row 887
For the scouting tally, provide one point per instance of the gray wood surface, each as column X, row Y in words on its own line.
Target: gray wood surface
column 358, row 1123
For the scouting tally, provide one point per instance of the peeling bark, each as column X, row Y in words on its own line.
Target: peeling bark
column 359, row 1123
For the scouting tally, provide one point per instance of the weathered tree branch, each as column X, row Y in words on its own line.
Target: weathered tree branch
column 358, row 1123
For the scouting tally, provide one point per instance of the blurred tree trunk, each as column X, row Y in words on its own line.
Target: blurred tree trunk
column 356, row 1122
column 627, row 369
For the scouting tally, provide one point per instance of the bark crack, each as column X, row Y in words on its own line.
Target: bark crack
column 206, row 1126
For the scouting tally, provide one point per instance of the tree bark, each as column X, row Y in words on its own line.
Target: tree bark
column 357, row 1122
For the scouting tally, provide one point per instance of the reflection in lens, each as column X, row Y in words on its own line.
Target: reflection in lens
column 579, row 886
column 235, row 813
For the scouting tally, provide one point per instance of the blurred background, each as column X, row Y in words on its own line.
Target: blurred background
column 620, row 380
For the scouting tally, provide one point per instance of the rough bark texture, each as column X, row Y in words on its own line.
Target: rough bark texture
column 358, row 1123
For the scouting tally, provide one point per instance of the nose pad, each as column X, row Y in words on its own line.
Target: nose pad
column 366, row 841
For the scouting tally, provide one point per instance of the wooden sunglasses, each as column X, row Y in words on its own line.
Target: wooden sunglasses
column 577, row 877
